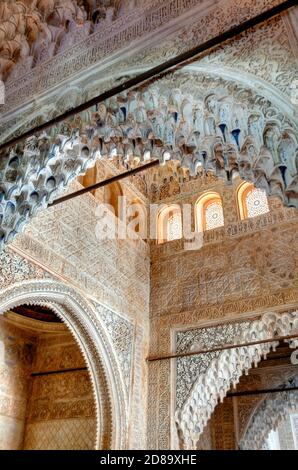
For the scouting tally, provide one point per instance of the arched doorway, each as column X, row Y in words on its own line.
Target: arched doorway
column 247, row 414
column 47, row 394
column 90, row 336
column 273, row 423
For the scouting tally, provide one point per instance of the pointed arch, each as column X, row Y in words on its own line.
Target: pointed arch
column 225, row 371
column 138, row 219
column 85, row 325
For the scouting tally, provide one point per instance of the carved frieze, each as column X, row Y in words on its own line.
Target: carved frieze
column 211, row 135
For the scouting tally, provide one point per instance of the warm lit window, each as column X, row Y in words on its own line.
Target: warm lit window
column 209, row 212
column 169, row 224
column 252, row 201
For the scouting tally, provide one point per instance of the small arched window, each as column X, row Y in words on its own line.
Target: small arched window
column 209, row 212
column 252, row 201
column 169, row 224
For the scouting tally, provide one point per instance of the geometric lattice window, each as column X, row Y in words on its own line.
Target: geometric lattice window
column 174, row 227
column 214, row 215
column 252, row 201
column 209, row 211
column 256, row 202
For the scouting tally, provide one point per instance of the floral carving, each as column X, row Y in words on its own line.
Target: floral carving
column 189, row 368
column 14, row 268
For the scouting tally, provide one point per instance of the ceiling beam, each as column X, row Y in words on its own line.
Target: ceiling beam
column 220, row 348
column 101, row 184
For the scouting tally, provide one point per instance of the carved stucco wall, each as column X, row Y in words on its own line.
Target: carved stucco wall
column 259, row 249
column 232, row 419
column 198, row 21
column 60, row 411
column 205, row 441
column 211, row 132
column 114, row 273
column 46, row 412
column 272, row 91
column 243, row 269
column 266, row 90
column 247, row 406
column 223, row 427
column 18, row 349
column 33, row 32
column 62, row 254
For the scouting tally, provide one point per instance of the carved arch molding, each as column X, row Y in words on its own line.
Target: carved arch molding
column 225, row 371
column 268, row 416
column 225, row 131
column 89, row 333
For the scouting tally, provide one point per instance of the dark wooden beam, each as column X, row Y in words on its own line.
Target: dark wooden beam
column 220, row 348
column 51, row 372
column 155, row 72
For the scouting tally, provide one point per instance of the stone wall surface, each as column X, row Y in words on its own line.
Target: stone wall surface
column 242, row 270
column 61, row 412
column 113, row 274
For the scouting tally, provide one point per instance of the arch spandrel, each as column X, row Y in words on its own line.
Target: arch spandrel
column 268, row 415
